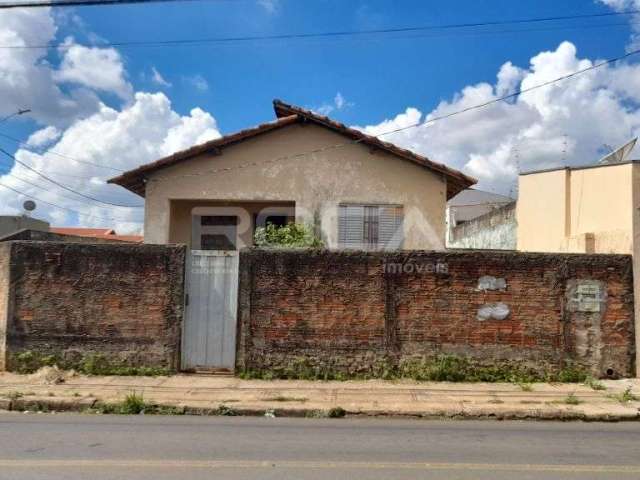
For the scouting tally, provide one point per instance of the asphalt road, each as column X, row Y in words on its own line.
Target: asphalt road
column 42, row 446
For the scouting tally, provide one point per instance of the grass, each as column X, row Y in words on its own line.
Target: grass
column 526, row 387
column 595, row 384
column 442, row 368
column 91, row 364
column 337, row 412
column 12, row 395
column 571, row 399
column 625, row 396
column 135, row 404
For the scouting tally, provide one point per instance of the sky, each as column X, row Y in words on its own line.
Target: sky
column 100, row 105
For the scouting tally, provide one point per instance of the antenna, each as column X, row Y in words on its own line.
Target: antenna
column 620, row 154
column 29, row 206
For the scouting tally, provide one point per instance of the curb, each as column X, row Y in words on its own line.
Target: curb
column 84, row 405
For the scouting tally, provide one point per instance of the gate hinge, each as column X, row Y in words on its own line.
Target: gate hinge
column 186, row 300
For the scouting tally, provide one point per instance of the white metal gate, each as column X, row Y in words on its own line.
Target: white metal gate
column 209, row 334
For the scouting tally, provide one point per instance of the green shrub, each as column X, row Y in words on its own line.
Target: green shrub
column 133, row 404
column 91, row 364
column 571, row 399
column 336, row 412
column 572, row 374
column 291, row 235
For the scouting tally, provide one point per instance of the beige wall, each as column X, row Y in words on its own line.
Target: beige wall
column 579, row 210
column 316, row 183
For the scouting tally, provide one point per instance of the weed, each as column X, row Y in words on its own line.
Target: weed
column 595, row 384
column 226, row 411
column 571, row 374
column 526, row 387
column 624, row 397
column 13, row 395
column 133, row 404
column 336, row 412
column 91, row 364
column 571, row 399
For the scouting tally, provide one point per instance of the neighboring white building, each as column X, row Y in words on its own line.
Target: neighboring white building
column 481, row 220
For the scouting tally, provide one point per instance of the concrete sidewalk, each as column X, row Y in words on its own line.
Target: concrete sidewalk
column 54, row 390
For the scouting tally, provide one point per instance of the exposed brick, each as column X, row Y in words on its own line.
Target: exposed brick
column 342, row 309
column 124, row 301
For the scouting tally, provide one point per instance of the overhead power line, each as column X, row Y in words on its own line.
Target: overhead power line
column 60, row 207
column 512, row 95
column 65, row 187
column 355, row 33
column 57, row 154
column 414, row 125
column 79, row 3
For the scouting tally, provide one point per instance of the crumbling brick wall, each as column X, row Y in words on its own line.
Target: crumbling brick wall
column 351, row 310
column 71, row 300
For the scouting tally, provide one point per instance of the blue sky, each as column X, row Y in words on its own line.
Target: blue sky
column 379, row 74
column 361, row 81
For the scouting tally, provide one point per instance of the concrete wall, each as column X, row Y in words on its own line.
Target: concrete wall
column 495, row 230
column 75, row 300
column 12, row 223
column 577, row 210
column 255, row 171
column 41, row 236
column 351, row 311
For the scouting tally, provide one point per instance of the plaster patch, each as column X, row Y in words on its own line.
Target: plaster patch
column 493, row 311
column 487, row 282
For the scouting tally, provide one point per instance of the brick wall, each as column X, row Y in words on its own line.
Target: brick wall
column 351, row 310
column 73, row 300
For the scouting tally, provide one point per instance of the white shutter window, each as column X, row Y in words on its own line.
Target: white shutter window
column 351, row 226
column 370, row 227
column 391, row 235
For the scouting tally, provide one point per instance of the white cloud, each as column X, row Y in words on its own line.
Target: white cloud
column 43, row 137
column 143, row 131
column 625, row 6
column 338, row 103
column 93, row 67
column 82, row 134
column 158, row 79
column 270, row 6
column 27, row 79
column 565, row 123
column 198, row 82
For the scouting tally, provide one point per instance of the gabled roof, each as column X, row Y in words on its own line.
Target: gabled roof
column 134, row 180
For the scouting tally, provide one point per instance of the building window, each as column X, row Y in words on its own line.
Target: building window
column 370, row 227
column 218, row 232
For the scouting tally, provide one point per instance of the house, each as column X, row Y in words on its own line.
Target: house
column 108, row 234
column 481, row 220
column 10, row 224
column 354, row 190
column 586, row 209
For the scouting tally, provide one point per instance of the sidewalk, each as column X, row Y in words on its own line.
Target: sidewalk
column 200, row 394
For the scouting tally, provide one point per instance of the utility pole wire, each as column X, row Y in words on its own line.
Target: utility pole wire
column 79, row 3
column 88, row 215
column 414, row 125
column 350, row 33
column 512, row 95
column 65, row 187
column 14, row 114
